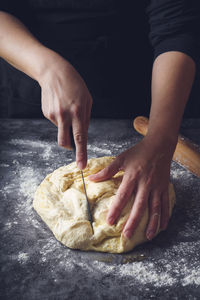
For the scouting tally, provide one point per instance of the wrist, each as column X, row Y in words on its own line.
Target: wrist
column 48, row 61
column 163, row 144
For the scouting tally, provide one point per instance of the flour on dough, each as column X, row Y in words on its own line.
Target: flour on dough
column 60, row 202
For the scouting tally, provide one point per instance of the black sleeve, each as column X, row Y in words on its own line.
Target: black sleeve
column 175, row 26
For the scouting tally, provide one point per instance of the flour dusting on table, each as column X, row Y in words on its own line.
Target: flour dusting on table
column 164, row 267
column 168, row 271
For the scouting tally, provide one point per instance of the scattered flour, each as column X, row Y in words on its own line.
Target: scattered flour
column 9, row 225
column 4, row 165
column 23, row 257
column 177, row 173
column 170, row 270
column 28, row 182
column 45, row 148
column 103, row 149
column 99, row 151
column 140, row 272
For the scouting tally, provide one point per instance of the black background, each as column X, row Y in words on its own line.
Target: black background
column 116, row 66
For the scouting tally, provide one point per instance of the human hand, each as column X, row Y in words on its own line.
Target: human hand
column 66, row 102
column 146, row 172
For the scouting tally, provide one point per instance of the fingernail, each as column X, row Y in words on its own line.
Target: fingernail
column 127, row 234
column 62, row 143
column 150, row 235
column 80, row 165
column 111, row 220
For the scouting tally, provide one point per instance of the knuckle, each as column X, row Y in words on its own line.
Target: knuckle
column 78, row 137
column 132, row 177
column 76, row 110
column 149, row 179
column 122, row 194
column 48, row 114
column 51, row 115
column 139, row 170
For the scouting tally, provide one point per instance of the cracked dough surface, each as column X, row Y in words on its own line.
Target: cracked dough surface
column 60, row 202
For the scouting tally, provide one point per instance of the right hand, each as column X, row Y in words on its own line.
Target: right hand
column 66, row 101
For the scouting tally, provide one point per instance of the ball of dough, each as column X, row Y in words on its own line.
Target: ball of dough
column 60, row 201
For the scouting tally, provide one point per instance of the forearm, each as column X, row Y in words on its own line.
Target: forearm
column 172, row 79
column 65, row 99
column 21, row 49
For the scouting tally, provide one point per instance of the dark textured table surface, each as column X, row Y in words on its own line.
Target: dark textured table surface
column 34, row 265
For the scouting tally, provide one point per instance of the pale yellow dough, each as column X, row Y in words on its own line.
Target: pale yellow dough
column 61, row 203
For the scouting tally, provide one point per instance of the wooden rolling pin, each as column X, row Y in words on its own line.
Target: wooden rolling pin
column 186, row 153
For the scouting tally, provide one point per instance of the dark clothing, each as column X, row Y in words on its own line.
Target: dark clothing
column 175, row 26
column 105, row 43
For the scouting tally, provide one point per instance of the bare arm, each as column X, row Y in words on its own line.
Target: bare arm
column 172, row 80
column 66, row 100
column 20, row 48
column 147, row 165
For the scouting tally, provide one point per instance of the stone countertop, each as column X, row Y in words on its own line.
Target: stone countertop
column 34, row 265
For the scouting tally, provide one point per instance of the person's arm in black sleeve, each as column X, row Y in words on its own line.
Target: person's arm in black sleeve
column 175, row 26
column 147, row 165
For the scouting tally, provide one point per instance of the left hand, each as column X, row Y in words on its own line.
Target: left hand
column 146, row 172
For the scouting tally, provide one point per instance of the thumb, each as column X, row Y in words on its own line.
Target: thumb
column 107, row 172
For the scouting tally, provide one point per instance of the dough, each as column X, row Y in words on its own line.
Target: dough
column 61, row 203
